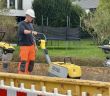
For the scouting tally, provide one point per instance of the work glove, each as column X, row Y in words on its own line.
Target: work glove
column 34, row 32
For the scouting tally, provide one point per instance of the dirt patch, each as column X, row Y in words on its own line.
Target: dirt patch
column 96, row 73
column 93, row 62
column 88, row 73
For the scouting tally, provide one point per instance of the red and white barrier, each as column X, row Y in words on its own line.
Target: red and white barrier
column 15, row 91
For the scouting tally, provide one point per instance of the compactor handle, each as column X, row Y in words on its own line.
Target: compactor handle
column 40, row 36
column 2, row 34
column 66, row 59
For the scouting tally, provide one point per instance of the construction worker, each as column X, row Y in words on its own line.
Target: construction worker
column 26, row 43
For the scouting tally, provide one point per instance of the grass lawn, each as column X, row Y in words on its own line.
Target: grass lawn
column 80, row 49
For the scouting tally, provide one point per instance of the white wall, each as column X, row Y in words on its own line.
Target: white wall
column 27, row 4
column 15, row 12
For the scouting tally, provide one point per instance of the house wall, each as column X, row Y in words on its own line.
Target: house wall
column 87, row 5
column 27, row 4
column 15, row 12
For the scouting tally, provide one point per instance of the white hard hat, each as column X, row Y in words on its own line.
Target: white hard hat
column 30, row 12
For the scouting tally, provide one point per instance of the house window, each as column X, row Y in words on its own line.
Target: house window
column 20, row 4
column 12, row 4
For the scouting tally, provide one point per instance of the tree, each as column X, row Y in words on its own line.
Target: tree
column 57, row 12
column 98, row 23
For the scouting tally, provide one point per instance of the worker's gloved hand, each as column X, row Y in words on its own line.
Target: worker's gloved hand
column 34, row 32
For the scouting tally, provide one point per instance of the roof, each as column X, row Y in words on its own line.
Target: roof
column 87, row 4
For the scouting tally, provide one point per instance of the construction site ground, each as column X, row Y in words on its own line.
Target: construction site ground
column 88, row 73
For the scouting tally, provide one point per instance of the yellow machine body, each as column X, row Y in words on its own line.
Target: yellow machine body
column 42, row 44
column 74, row 71
column 6, row 46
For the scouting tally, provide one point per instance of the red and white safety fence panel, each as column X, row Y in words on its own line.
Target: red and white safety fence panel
column 15, row 91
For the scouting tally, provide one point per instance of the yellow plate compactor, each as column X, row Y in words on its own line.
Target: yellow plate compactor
column 59, row 69
column 6, row 52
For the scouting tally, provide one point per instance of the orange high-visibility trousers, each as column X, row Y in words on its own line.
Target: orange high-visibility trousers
column 27, row 55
